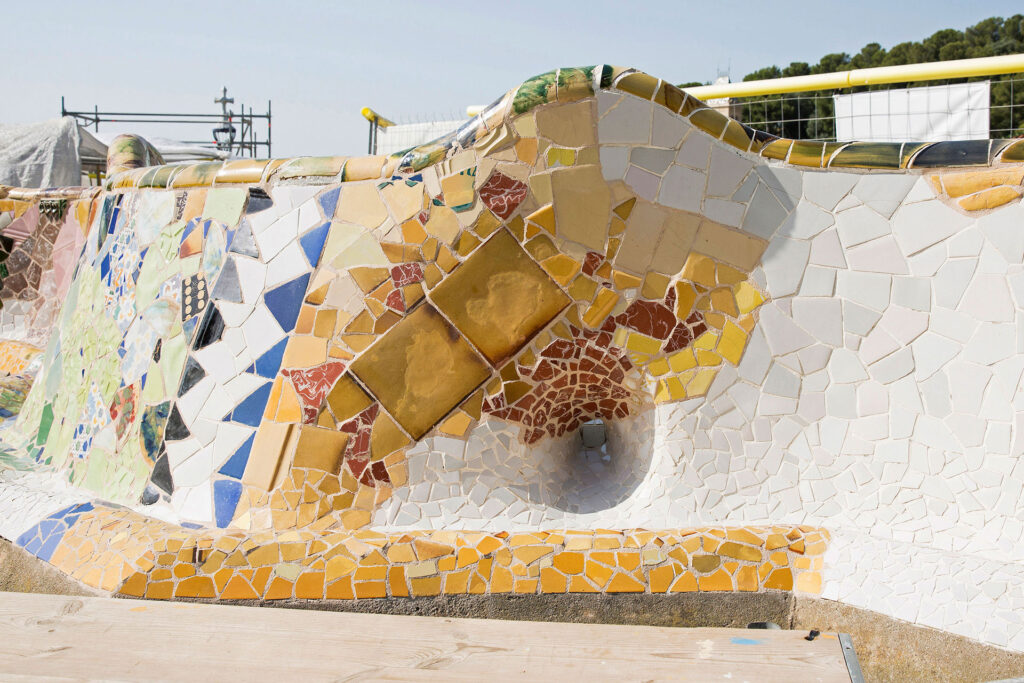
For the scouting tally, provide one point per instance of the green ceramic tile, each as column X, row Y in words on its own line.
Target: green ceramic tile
column 868, row 155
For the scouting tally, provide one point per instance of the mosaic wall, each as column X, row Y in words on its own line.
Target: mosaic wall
column 346, row 378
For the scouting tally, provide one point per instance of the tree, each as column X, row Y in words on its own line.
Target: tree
column 809, row 115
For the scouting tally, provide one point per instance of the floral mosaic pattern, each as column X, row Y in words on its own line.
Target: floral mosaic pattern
column 370, row 380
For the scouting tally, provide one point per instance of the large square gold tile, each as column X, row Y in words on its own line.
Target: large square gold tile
column 499, row 298
column 420, row 369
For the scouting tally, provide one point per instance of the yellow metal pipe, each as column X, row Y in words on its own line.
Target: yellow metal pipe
column 930, row 71
column 371, row 115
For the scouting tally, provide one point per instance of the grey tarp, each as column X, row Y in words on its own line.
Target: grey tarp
column 40, row 154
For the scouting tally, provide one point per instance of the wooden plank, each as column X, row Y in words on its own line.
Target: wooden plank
column 72, row 638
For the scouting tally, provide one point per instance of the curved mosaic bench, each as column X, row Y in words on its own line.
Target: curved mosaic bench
column 338, row 378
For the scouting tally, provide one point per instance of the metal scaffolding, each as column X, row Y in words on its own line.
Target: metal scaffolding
column 241, row 140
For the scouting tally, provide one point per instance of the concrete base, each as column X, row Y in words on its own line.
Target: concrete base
column 22, row 572
column 894, row 650
column 888, row 649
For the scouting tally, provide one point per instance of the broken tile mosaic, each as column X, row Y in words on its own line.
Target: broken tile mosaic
column 599, row 339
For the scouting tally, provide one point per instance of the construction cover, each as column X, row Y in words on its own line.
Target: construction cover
column 41, row 154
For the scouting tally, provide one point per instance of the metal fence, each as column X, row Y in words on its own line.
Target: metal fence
column 812, row 115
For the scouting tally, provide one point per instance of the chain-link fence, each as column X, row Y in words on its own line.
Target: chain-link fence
column 949, row 110
column 406, row 134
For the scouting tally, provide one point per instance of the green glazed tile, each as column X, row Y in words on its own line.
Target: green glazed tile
column 637, row 83
column 758, row 138
column 224, row 204
column 575, row 83
column 159, row 176
column 777, row 149
column 538, row 90
column 953, row 153
column 998, row 145
column 736, row 135
column 709, row 121
column 312, row 166
column 1014, row 153
column 909, row 150
column 806, row 153
column 197, row 175
column 691, row 104
column 830, row 149
column 868, row 155
column 669, row 96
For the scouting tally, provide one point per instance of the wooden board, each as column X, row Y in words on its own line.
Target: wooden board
column 89, row 638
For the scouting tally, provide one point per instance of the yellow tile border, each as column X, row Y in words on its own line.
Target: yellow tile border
column 123, row 552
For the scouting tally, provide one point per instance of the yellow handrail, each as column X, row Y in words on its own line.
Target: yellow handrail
column 929, row 71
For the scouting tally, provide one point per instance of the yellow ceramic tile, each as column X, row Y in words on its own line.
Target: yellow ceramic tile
column 347, row 399
column 544, row 217
column 642, row 343
column 700, row 269
column 369, row 279
column 457, row 424
column 625, row 280
column 320, row 449
column 732, row 343
column 654, row 286
column 559, row 156
column 989, row 199
column 747, row 297
column 582, row 205
column 420, row 370
column 569, row 125
column 458, row 189
column 385, row 437
column 624, row 583
column 602, row 306
column 729, row 245
column 264, row 468
column 561, row 268
column 499, row 298
column 304, row 352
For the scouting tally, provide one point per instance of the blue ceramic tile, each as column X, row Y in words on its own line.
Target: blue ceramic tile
column 189, row 326
column 228, row 287
column 243, row 241
column 190, row 227
column 235, row 466
column 225, row 499
column 259, row 200
column 250, row 410
column 269, row 363
column 329, row 201
column 42, row 539
column 313, row 243
column 284, row 301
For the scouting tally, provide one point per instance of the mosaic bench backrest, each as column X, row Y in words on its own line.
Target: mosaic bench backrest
column 770, row 330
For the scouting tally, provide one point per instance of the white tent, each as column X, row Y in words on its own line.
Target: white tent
column 54, row 153
column 42, row 154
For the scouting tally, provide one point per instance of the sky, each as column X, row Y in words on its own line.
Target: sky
column 321, row 62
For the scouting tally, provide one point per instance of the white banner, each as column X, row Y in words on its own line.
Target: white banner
column 404, row 135
column 939, row 112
